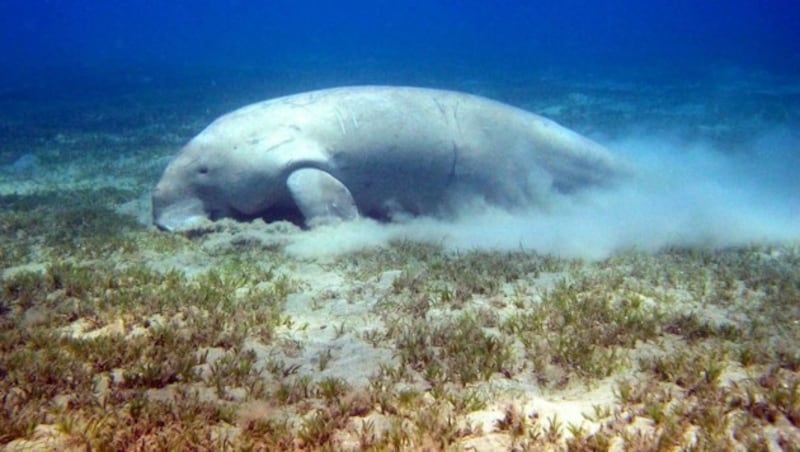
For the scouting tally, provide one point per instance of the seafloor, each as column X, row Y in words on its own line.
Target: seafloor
column 116, row 336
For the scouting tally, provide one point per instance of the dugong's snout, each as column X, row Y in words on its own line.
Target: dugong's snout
column 172, row 213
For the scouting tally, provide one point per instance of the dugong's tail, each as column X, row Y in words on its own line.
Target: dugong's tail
column 574, row 161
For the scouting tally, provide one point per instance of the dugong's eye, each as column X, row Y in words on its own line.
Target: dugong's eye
column 202, row 170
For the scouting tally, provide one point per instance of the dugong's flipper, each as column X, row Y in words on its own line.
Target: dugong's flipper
column 320, row 197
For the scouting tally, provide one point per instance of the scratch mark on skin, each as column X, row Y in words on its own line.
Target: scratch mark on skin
column 451, row 177
column 340, row 120
column 456, row 120
column 441, row 108
column 279, row 144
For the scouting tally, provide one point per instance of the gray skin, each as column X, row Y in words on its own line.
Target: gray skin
column 376, row 151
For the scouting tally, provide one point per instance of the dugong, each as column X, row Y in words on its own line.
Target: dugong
column 376, row 151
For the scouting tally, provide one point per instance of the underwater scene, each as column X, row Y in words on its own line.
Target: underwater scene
column 484, row 226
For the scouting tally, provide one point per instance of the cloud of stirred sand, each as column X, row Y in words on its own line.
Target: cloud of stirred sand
column 683, row 194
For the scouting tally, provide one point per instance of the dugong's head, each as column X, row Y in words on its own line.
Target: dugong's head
column 226, row 171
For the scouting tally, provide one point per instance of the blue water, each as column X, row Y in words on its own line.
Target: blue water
column 379, row 40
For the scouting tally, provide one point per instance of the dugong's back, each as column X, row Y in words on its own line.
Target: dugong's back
column 437, row 140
